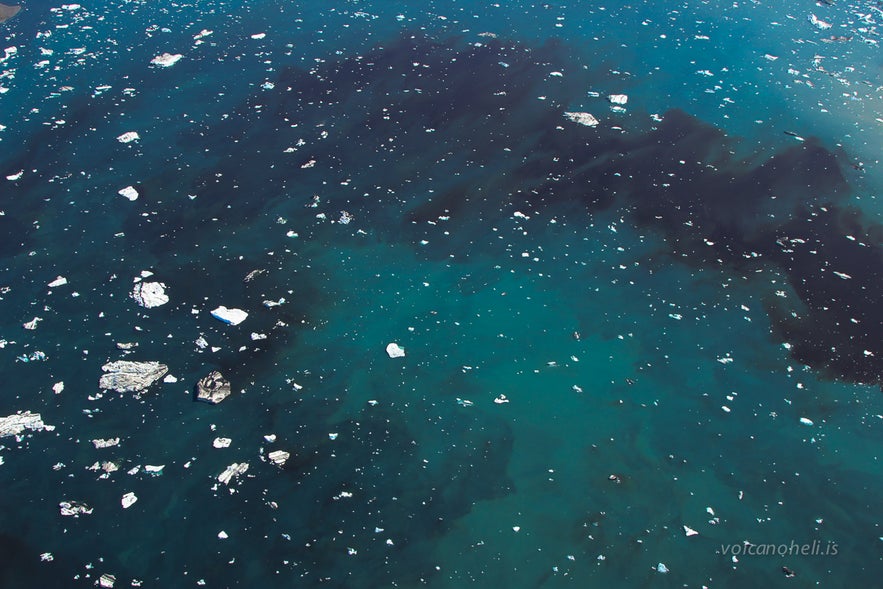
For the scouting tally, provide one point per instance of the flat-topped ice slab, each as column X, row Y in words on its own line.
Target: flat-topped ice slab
column 229, row 316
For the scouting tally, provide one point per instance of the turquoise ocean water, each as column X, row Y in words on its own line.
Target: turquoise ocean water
column 615, row 336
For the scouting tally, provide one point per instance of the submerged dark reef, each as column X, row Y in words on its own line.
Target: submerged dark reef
column 421, row 128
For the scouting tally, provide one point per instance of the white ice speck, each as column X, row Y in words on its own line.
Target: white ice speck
column 806, row 421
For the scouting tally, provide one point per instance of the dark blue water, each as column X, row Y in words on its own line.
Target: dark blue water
column 611, row 332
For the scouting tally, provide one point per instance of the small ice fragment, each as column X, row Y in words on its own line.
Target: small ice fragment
column 229, row 316
column 661, row 568
column 154, row 470
column 394, row 350
column 516, row 528
column 690, row 531
column 270, row 438
column 725, row 408
column 618, row 99
column 59, row 281
column 58, row 387
column 32, row 324
column 501, row 399
column 166, row 59
column 222, row 442
column 106, row 581
column 258, row 36
column 223, row 535
column 128, row 500
column 258, row 336
column 806, row 421
column 842, row 275
column 169, row 378
column 16, row 176
column 332, row 436
column 128, row 192
column 128, row 137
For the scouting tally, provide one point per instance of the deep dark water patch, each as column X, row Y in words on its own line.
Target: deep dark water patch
column 419, row 114
column 787, row 213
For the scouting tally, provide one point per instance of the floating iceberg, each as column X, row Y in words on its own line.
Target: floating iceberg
column 16, row 424
column 128, row 137
column 124, row 376
column 395, row 351
column 166, row 59
column 229, row 316
column 129, row 192
column 582, row 118
column 150, row 294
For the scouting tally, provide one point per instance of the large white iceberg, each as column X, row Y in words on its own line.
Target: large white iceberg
column 582, row 118
column 128, row 137
column 229, row 316
column 150, row 294
column 19, row 422
column 394, row 350
column 166, row 59
column 129, row 192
